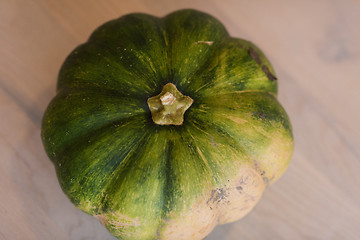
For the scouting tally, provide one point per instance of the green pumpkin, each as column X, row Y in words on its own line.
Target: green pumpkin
column 163, row 128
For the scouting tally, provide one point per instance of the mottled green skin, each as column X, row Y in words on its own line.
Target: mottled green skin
column 113, row 160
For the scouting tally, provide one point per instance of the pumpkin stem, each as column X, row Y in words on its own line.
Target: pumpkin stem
column 168, row 108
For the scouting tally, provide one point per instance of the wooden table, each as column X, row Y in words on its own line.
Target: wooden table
column 315, row 49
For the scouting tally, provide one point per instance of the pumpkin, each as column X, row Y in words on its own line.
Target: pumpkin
column 163, row 128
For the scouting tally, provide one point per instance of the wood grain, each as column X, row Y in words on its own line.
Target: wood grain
column 315, row 49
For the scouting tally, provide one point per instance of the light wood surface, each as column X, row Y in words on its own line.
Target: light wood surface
column 315, row 49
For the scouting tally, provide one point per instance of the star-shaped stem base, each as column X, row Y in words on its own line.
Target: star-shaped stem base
column 169, row 106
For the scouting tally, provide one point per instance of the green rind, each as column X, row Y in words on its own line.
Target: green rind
column 74, row 113
column 127, row 54
column 231, row 68
column 187, row 32
column 256, row 122
column 135, row 176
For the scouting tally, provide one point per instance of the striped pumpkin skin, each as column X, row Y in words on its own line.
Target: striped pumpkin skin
column 149, row 181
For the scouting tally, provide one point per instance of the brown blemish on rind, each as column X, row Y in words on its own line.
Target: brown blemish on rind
column 268, row 73
column 239, row 188
column 243, row 194
column 253, row 54
column 213, row 142
column 218, row 195
column 262, row 116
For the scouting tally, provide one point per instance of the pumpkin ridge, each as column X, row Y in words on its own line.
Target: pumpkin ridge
column 232, row 68
column 136, row 54
column 95, row 132
column 114, row 76
column 216, row 138
column 78, row 103
column 82, row 174
column 148, row 82
column 204, row 65
column 263, row 120
column 190, row 30
column 258, row 97
column 128, row 160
